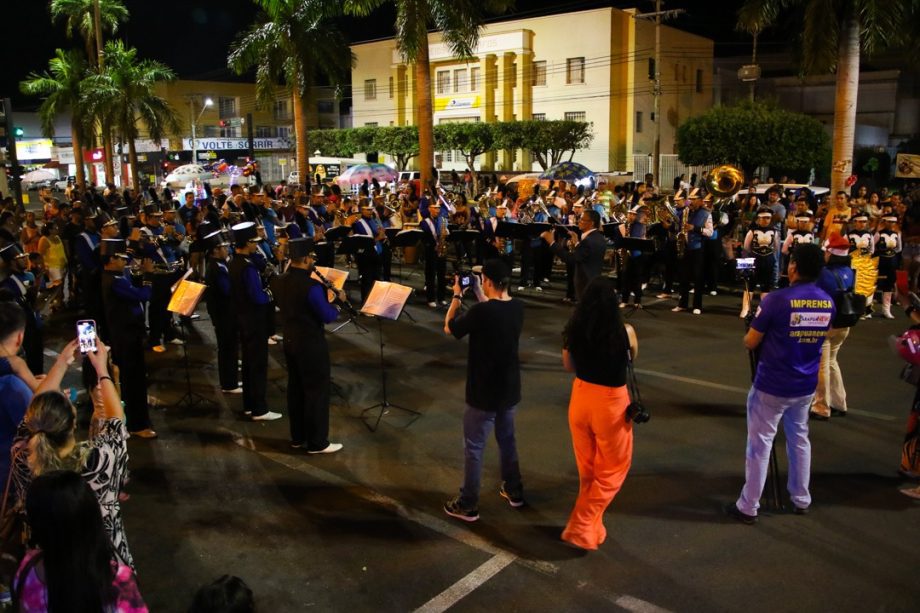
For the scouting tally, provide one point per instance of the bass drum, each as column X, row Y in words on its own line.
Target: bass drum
column 410, row 254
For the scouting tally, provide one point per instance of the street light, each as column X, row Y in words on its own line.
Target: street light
column 191, row 106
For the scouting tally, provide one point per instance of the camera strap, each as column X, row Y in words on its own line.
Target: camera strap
column 632, row 384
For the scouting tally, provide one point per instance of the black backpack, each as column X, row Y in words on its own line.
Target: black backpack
column 849, row 305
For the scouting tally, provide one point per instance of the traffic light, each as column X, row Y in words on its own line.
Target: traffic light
column 224, row 123
column 18, row 132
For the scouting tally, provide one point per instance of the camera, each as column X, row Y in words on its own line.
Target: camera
column 745, row 267
column 637, row 413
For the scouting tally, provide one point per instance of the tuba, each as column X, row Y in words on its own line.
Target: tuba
column 724, row 182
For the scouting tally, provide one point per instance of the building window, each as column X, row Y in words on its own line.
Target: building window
column 226, row 107
column 447, row 156
column 460, row 85
column 211, row 132
column 539, row 116
column 539, row 73
column 325, row 107
column 264, row 132
column 683, row 73
column 638, row 121
column 282, row 110
column 474, row 79
column 391, row 88
column 230, row 132
column 575, row 116
column 699, row 80
column 443, row 82
column 284, row 131
column 651, row 69
column 513, row 76
column 575, row 70
column 370, row 89
column 370, row 124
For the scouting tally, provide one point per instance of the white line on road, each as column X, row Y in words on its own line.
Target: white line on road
column 637, row 605
column 467, row 585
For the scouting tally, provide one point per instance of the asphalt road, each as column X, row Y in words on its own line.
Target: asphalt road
column 363, row 530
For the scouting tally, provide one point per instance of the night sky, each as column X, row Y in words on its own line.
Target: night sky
column 192, row 36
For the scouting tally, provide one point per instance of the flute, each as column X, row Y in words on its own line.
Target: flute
column 345, row 304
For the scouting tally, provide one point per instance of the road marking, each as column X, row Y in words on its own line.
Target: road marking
column 467, row 585
column 637, row 605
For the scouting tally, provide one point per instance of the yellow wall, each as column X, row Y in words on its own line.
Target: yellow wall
column 616, row 48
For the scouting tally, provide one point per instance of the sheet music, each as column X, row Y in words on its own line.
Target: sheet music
column 186, row 298
column 386, row 300
column 187, row 274
column 335, row 276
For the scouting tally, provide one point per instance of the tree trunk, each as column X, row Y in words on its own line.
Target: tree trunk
column 132, row 162
column 845, row 104
column 77, row 147
column 300, row 134
column 424, row 112
column 108, row 155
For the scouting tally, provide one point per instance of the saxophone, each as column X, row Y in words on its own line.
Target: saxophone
column 441, row 246
column 682, row 234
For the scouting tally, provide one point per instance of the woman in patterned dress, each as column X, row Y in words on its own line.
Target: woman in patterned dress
column 46, row 442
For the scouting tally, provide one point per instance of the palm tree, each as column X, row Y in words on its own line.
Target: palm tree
column 459, row 21
column 834, row 36
column 78, row 19
column 293, row 44
column 125, row 93
column 60, row 86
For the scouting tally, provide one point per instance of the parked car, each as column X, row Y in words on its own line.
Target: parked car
column 62, row 184
column 183, row 175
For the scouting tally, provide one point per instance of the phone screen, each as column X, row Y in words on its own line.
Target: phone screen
column 86, row 335
column 465, row 280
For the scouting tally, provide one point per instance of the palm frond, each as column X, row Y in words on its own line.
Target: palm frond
column 361, row 8
column 821, row 35
column 756, row 15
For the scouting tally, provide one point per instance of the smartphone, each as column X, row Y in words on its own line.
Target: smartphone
column 465, row 279
column 86, row 335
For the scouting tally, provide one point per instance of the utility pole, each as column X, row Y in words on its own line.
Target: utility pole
column 10, row 133
column 656, row 83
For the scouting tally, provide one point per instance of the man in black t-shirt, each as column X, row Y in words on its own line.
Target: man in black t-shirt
column 493, row 383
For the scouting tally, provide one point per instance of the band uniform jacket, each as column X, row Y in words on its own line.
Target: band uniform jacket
column 588, row 259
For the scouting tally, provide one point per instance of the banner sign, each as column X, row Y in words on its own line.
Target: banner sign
column 229, row 144
column 907, row 166
column 38, row 149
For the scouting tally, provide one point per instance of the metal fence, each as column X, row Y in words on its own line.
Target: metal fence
column 669, row 168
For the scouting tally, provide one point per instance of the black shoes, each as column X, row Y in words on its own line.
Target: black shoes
column 800, row 510
column 515, row 499
column 731, row 509
column 453, row 508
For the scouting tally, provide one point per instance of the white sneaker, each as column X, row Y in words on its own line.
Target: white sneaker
column 330, row 448
column 521, row 288
column 713, row 293
column 433, row 305
column 887, row 315
column 272, row 341
column 177, row 341
column 697, row 312
column 238, row 390
column 269, row 416
column 538, row 288
column 278, row 337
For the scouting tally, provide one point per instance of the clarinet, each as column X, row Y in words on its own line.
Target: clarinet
column 345, row 304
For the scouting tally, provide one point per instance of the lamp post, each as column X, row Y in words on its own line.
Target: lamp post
column 191, row 106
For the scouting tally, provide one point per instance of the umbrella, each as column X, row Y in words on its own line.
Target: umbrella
column 37, row 176
column 527, row 176
column 567, row 171
column 367, row 172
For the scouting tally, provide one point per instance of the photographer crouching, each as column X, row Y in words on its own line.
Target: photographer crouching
column 788, row 331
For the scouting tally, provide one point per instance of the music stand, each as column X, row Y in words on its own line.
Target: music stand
column 407, row 237
column 184, row 300
column 356, row 243
column 386, row 301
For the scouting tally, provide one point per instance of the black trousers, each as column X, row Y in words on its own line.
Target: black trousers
column 128, row 355
column 691, row 269
column 254, row 341
column 435, row 275
column 712, row 262
column 669, row 260
column 633, row 278
column 386, row 262
column 368, row 271
column 228, row 350
column 308, row 391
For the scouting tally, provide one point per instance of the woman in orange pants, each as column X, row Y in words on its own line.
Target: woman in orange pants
column 595, row 349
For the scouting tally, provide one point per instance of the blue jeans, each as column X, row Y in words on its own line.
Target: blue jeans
column 764, row 412
column 476, row 427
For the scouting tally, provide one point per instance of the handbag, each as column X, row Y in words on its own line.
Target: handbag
column 636, row 411
column 849, row 305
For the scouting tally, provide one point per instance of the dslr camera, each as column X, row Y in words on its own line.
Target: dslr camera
column 637, row 413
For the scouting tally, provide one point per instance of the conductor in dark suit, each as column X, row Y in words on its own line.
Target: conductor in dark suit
column 588, row 254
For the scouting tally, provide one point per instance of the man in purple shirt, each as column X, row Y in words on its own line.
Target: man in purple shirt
column 788, row 331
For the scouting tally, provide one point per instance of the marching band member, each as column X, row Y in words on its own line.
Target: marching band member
column 222, row 311
column 434, row 240
column 633, row 263
column 368, row 259
column 887, row 242
column 762, row 241
column 695, row 223
column 252, row 303
column 862, row 250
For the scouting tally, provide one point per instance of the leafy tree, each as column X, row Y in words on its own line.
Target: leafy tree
column 293, row 43
column 125, row 92
column 459, row 22
column 360, row 139
column 78, row 16
column 60, row 85
column 751, row 135
column 472, row 139
column 549, row 141
column 398, row 142
column 328, row 142
column 834, row 34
